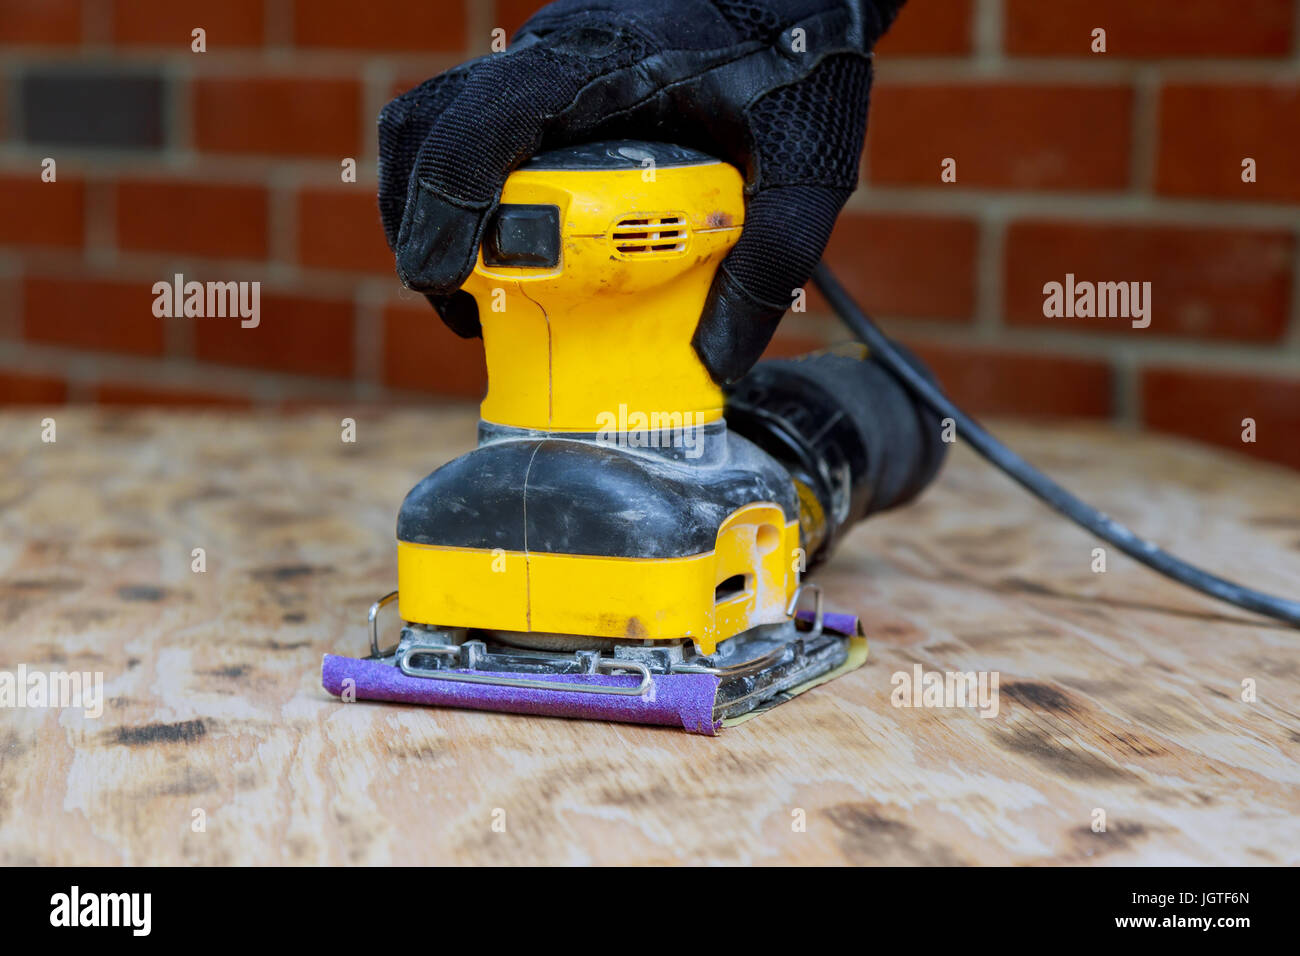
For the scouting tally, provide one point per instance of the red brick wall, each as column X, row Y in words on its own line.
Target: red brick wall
column 225, row 165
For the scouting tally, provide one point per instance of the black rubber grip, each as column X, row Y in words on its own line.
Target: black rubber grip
column 845, row 429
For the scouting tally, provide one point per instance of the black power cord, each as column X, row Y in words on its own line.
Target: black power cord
column 1038, row 484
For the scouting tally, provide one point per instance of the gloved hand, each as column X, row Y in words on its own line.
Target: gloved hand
column 777, row 87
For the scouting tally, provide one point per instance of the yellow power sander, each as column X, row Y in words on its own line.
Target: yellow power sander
column 628, row 540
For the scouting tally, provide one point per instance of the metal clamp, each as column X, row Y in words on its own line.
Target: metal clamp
column 742, row 669
column 465, row 677
column 772, row 657
column 819, row 615
column 384, row 601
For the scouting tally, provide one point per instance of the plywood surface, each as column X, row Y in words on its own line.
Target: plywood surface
column 1118, row 692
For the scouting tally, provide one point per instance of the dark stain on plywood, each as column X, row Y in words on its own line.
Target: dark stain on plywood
column 184, row 732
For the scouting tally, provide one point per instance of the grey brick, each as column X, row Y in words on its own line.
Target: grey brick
column 79, row 107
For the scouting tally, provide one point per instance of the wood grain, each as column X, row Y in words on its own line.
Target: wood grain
column 1119, row 691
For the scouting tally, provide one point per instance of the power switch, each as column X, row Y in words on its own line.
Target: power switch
column 523, row 235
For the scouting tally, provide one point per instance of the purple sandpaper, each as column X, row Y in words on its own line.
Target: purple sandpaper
column 673, row 700
column 846, row 624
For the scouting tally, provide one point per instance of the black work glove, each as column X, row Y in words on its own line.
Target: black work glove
column 777, row 87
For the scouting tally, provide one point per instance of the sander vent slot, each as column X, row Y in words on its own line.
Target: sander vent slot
column 643, row 235
column 732, row 587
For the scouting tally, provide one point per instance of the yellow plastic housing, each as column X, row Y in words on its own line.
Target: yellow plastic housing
column 626, row 598
column 602, row 338
column 612, row 323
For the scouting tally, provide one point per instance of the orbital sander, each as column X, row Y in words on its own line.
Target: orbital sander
column 629, row 540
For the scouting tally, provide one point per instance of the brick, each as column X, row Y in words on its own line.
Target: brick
column 422, row 354
column 95, row 314
column 1209, row 405
column 284, row 116
column 230, row 23
column 1206, row 131
column 120, row 393
column 987, row 381
column 930, row 28
column 513, row 14
column 192, row 218
column 306, row 336
column 1005, row 136
column 1150, row 28
column 73, row 106
column 17, row 388
column 1215, row 283
column 381, row 25
column 905, row 265
column 339, row 228
column 40, row 22
column 404, row 82
column 11, row 312
column 36, row 213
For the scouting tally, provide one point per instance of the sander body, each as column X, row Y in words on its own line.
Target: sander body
column 629, row 539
